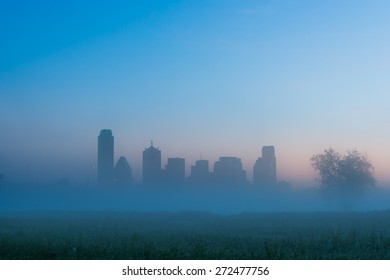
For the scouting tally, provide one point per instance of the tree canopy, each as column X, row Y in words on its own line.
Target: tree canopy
column 349, row 172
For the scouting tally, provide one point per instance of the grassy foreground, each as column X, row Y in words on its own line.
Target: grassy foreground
column 195, row 236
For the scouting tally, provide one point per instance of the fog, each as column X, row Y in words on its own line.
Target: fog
column 26, row 198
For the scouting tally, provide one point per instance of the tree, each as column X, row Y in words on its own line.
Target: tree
column 349, row 173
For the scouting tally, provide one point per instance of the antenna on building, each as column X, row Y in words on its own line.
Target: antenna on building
column 201, row 156
column 151, row 143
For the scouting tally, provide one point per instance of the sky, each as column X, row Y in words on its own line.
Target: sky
column 199, row 78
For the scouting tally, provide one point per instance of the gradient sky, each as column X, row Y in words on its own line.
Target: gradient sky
column 217, row 78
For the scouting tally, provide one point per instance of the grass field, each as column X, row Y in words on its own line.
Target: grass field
column 192, row 235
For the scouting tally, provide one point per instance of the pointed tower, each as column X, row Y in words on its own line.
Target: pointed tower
column 123, row 173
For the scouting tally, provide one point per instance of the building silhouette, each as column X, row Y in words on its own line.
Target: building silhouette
column 123, row 173
column 105, row 157
column 200, row 174
column 264, row 170
column 228, row 172
column 175, row 171
column 151, row 166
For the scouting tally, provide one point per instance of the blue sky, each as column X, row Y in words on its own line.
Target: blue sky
column 198, row 77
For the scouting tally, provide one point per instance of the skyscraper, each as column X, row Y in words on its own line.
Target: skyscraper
column 200, row 175
column 123, row 173
column 105, row 157
column 228, row 172
column 151, row 166
column 264, row 170
column 175, row 171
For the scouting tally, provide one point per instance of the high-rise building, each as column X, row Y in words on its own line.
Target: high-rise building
column 105, row 157
column 123, row 173
column 264, row 170
column 175, row 171
column 151, row 166
column 200, row 169
column 200, row 174
column 228, row 172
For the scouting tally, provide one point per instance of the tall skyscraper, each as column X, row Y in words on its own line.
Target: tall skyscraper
column 175, row 171
column 151, row 166
column 228, row 172
column 105, row 157
column 264, row 170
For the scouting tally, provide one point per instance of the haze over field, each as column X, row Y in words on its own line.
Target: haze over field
column 190, row 129
column 211, row 78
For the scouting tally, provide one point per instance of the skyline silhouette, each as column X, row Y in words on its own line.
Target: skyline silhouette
column 217, row 78
column 225, row 188
column 227, row 171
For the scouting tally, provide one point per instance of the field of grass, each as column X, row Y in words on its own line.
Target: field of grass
column 192, row 235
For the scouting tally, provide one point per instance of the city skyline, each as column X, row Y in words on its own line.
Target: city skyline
column 198, row 77
column 227, row 171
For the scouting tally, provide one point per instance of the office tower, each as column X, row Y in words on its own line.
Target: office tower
column 228, row 172
column 264, row 170
column 151, row 166
column 175, row 171
column 200, row 175
column 123, row 173
column 105, row 157
column 201, row 169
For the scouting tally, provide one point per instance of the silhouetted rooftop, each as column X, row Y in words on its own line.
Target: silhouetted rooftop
column 105, row 132
column 152, row 148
